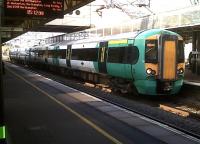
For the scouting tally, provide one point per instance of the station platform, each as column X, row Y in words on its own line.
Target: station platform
column 41, row 111
column 33, row 118
column 191, row 78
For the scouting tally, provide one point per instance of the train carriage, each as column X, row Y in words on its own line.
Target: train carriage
column 161, row 62
column 150, row 62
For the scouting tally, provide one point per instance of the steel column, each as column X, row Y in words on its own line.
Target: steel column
column 194, row 47
column 198, row 53
column 2, row 123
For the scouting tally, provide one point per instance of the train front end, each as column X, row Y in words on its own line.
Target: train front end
column 163, row 63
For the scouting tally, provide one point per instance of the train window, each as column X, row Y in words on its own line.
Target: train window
column 132, row 55
column 125, row 55
column 86, row 54
column 52, row 54
column 151, row 51
column 61, row 53
column 180, row 52
column 41, row 53
column 116, row 55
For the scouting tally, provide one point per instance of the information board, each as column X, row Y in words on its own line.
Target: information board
column 34, row 8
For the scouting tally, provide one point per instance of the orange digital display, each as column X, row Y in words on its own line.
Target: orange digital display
column 150, row 45
column 33, row 8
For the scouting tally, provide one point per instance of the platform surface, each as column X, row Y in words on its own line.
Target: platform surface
column 41, row 111
column 191, row 78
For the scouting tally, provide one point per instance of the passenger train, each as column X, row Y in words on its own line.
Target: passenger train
column 149, row 62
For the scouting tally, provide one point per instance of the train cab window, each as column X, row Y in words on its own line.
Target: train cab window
column 151, row 51
column 180, row 52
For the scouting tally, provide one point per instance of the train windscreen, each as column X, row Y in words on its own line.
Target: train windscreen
column 151, row 51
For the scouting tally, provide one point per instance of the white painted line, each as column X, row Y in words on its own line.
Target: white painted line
column 191, row 83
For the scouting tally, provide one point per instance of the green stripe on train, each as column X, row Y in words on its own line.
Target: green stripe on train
column 2, row 132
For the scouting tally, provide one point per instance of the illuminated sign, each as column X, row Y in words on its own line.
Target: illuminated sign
column 34, row 8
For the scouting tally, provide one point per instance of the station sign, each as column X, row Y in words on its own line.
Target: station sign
column 34, row 8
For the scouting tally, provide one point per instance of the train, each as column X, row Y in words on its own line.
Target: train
column 148, row 62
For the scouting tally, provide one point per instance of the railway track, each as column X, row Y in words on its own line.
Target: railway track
column 151, row 108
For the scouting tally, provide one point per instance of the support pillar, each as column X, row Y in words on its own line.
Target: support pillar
column 194, row 46
column 2, row 122
column 198, row 53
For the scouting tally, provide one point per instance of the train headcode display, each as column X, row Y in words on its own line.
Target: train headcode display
column 34, row 8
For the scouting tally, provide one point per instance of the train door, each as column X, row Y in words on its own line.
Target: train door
column 46, row 55
column 131, row 56
column 29, row 55
column 103, row 46
column 68, row 55
column 55, row 55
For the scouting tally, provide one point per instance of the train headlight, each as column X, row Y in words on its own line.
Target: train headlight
column 149, row 71
column 180, row 71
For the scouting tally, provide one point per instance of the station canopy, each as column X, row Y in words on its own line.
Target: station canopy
column 104, row 13
column 95, row 14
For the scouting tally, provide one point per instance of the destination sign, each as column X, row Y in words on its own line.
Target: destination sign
column 34, row 8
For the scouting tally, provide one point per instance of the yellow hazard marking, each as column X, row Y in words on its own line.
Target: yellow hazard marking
column 153, row 37
column 97, row 128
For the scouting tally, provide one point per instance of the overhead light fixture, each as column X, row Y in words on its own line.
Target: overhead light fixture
column 77, row 12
